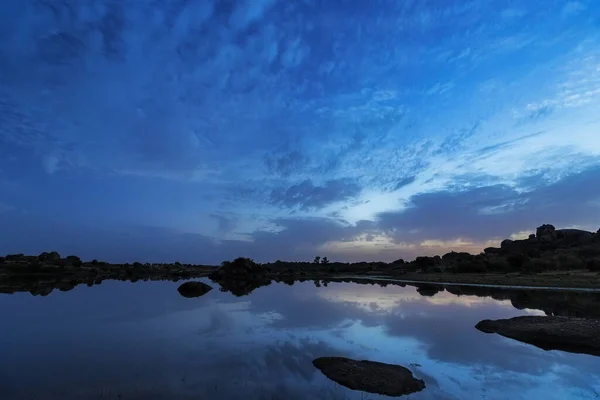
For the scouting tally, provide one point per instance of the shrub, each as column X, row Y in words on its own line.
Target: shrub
column 516, row 260
column 594, row 264
column 497, row 265
column 537, row 265
column 589, row 252
column 14, row 257
column 570, row 261
column 472, row 267
column 74, row 261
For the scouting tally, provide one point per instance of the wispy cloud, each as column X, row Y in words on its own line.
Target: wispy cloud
column 228, row 116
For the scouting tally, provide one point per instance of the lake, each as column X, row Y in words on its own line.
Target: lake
column 122, row 340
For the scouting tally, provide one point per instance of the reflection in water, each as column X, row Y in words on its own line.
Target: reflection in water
column 144, row 341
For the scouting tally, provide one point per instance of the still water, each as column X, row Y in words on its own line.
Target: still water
column 142, row 340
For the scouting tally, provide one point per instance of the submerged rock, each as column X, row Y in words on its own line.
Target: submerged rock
column 193, row 289
column 575, row 335
column 370, row 376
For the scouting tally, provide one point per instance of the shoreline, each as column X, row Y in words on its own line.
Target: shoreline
column 66, row 279
column 576, row 280
column 483, row 285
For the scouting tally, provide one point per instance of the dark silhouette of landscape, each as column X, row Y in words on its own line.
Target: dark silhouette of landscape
column 549, row 257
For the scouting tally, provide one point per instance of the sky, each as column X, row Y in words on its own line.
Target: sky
column 203, row 130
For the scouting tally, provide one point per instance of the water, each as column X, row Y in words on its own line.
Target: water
column 121, row 340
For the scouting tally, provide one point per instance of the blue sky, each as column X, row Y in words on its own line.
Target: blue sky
column 204, row 130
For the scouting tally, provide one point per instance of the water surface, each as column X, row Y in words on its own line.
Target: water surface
column 142, row 340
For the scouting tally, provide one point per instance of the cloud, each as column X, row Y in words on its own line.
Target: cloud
column 181, row 114
column 249, row 11
column 486, row 212
column 573, row 8
column 225, row 223
column 468, row 347
column 307, row 196
column 5, row 207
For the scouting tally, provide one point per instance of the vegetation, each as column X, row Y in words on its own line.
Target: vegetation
column 547, row 251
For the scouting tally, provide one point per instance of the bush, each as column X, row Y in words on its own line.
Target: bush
column 516, row 260
column 497, row 265
column 594, row 264
column 589, row 252
column 537, row 265
column 74, row 261
column 14, row 257
column 471, row 267
column 569, row 261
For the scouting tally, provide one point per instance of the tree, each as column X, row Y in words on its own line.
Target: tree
column 324, row 260
column 317, row 259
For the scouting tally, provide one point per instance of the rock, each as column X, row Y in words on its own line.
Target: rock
column 74, row 261
column 453, row 256
column 571, row 237
column 506, row 243
column 15, row 257
column 193, row 289
column 546, row 233
column 490, row 250
column 532, row 237
column 575, row 335
column 53, row 256
column 370, row 376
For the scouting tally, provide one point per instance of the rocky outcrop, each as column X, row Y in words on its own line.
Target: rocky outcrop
column 370, row 376
column 575, row 335
column 546, row 233
column 193, row 289
column 547, row 250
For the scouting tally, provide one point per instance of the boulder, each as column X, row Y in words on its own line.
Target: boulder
column 53, row 256
column 426, row 261
column 454, row 256
column 370, row 376
column 491, row 250
column 546, row 233
column 576, row 335
column 574, row 237
column 506, row 243
column 15, row 257
column 193, row 289
column 74, row 260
